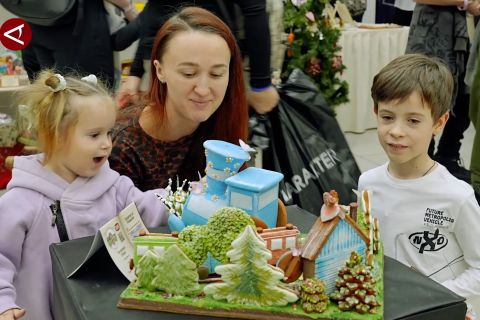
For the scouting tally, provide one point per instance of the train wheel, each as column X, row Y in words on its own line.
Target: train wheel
column 291, row 265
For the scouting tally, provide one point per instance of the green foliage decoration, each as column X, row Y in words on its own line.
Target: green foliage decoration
column 223, row 227
column 192, row 240
column 312, row 47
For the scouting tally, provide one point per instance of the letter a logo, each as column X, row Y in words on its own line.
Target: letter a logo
column 15, row 34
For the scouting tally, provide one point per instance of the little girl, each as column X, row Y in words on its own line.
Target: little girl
column 74, row 119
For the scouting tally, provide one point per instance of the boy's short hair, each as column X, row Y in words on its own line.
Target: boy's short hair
column 428, row 76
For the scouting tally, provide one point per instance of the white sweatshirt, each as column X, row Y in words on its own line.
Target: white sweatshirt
column 430, row 224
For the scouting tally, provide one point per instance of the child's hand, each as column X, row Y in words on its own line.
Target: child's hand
column 12, row 314
column 128, row 92
column 471, row 314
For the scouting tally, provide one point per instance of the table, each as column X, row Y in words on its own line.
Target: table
column 364, row 53
column 93, row 292
column 6, row 98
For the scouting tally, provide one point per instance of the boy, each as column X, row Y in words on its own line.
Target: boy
column 429, row 220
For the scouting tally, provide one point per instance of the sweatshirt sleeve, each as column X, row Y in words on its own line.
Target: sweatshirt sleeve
column 137, row 70
column 151, row 209
column 127, row 35
column 14, row 224
column 466, row 230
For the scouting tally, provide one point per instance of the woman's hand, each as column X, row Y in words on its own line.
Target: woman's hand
column 128, row 9
column 263, row 101
column 474, row 8
column 12, row 314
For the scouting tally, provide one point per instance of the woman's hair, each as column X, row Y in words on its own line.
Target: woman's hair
column 48, row 98
column 230, row 120
column 429, row 76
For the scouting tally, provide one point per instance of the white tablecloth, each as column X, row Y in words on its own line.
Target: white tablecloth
column 365, row 52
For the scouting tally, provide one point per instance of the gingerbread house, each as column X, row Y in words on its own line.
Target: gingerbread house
column 328, row 245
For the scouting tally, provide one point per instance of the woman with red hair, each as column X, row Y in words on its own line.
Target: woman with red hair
column 196, row 93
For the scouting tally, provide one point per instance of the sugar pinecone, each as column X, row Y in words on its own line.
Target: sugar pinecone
column 355, row 287
column 312, row 296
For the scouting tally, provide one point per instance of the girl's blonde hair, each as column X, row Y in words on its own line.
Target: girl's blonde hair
column 52, row 114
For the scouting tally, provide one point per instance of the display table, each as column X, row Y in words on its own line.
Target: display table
column 364, row 53
column 6, row 97
column 93, row 292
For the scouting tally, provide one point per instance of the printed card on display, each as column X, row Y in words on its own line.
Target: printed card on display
column 117, row 236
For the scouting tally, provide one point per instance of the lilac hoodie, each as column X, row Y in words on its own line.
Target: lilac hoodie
column 26, row 231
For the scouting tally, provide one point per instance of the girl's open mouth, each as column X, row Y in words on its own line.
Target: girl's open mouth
column 98, row 159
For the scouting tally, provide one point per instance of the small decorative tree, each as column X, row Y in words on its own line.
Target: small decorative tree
column 146, row 270
column 176, row 273
column 312, row 296
column 249, row 279
column 355, row 287
column 312, row 47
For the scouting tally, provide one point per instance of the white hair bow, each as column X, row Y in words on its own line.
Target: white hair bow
column 91, row 78
column 62, row 85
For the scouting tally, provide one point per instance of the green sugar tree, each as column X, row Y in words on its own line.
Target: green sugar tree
column 312, row 47
column 176, row 273
column 145, row 270
column 249, row 279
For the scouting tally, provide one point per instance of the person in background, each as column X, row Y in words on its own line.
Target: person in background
column 439, row 29
column 66, row 192
column 403, row 11
column 82, row 44
column 472, row 79
column 415, row 197
column 262, row 96
column 196, row 93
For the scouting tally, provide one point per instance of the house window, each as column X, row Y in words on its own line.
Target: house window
column 141, row 250
column 268, row 197
column 290, row 242
column 159, row 250
column 241, row 201
column 276, row 244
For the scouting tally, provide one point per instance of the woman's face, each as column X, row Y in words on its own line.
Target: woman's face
column 195, row 69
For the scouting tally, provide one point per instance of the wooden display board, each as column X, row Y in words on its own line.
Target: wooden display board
column 135, row 298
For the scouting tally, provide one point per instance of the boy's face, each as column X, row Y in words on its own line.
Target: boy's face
column 89, row 142
column 405, row 130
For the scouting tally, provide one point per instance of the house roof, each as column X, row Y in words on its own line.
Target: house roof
column 320, row 232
